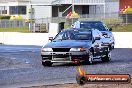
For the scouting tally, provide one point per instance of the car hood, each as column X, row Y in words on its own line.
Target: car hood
column 68, row 44
column 110, row 36
column 107, row 32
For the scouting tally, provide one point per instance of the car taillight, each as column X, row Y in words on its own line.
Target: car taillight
column 82, row 49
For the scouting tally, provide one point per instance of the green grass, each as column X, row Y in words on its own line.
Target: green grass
column 67, row 26
column 21, row 29
column 111, row 21
column 116, row 28
column 122, row 28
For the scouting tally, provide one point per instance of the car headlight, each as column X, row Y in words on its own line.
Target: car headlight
column 46, row 49
column 78, row 49
column 106, row 36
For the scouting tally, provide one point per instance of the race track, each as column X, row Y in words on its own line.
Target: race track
column 20, row 66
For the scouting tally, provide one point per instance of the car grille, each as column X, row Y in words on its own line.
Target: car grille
column 61, row 49
column 61, row 56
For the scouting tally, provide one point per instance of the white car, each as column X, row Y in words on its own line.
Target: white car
column 106, row 32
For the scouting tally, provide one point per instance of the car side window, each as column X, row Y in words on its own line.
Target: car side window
column 66, row 36
column 105, row 27
column 59, row 36
column 63, row 36
column 99, row 26
column 86, row 25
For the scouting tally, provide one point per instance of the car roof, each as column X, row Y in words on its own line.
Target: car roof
column 77, row 29
column 90, row 21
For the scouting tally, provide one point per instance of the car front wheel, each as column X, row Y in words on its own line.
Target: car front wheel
column 47, row 63
column 89, row 59
column 107, row 58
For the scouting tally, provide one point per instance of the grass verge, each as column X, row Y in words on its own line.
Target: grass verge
column 115, row 27
column 19, row 29
column 122, row 28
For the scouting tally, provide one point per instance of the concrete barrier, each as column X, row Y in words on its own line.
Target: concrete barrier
column 15, row 38
column 122, row 39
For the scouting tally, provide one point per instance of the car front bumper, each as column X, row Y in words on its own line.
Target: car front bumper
column 64, row 57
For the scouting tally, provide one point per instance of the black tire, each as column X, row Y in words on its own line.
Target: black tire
column 47, row 63
column 89, row 60
column 90, row 56
column 107, row 58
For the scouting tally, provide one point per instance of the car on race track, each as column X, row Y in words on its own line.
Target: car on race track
column 100, row 26
column 75, row 46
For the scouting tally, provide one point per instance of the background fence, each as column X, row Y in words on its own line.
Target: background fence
column 41, row 25
column 108, row 18
column 12, row 23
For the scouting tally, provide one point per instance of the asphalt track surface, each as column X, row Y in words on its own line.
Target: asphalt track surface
column 20, row 66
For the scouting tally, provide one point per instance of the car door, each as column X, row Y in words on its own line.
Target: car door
column 104, row 42
column 97, row 43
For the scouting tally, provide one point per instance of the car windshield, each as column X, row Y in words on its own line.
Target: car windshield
column 73, row 35
column 95, row 25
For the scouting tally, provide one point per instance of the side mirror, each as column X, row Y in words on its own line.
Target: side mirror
column 50, row 38
column 104, row 34
column 110, row 29
column 97, row 38
column 72, row 25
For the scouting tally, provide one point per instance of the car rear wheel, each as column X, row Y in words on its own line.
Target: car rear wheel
column 47, row 63
column 107, row 58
